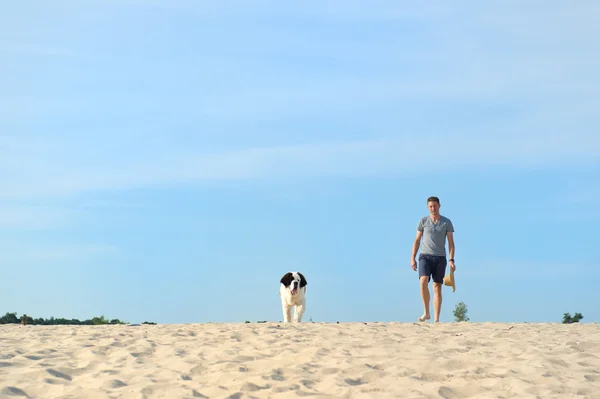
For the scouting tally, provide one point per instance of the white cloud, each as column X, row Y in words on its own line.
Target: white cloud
column 34, row 217
column 571, row 204
column 76, row 252
column 33, row 252
column 56, row 215
column 503, row 270
column 20, row 47
column 398, row 156
column 536, row 57
column 582, row 195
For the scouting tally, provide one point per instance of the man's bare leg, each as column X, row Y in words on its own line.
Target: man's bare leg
column 437, row 301
column 424, row 280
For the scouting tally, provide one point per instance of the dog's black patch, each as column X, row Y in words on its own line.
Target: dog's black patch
column 287, row 279
column 303, row 282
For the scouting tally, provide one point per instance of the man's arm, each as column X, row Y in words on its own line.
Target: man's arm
column 450, row 236
column 415, row 247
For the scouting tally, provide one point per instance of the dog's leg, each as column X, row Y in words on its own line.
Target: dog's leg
column 300, row 309
column 287, row 313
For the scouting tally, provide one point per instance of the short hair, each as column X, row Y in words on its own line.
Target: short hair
column 433, row 199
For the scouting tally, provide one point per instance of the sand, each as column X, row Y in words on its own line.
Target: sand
column 318, row 360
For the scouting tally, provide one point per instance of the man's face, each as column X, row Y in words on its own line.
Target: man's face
column 434, row 207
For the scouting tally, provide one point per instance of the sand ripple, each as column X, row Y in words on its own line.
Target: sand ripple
column 317, row 360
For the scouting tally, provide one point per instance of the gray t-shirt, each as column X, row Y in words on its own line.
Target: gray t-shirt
column 433, row 241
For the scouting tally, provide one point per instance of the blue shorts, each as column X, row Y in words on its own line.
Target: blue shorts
column 432, row 266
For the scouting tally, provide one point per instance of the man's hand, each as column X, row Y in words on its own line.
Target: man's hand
column 452, row 266
column 415, row 249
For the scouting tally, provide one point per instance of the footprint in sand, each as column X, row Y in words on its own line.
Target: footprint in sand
column 447, row 393
column 330, row 370
column 308, row 383
column 114, row 384
column 354, row 382
column 277, row 375
column 294, row 387
column 13, row 391
column 250, row 387
column 58, row 374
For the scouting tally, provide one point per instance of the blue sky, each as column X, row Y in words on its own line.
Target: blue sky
column 170, row 161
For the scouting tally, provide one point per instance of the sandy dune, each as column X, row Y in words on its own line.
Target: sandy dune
column 274, row 360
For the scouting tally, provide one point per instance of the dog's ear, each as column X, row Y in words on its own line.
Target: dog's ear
column 287, row 279
column 303, row 282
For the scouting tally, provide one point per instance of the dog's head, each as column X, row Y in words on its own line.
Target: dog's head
column 293, row 281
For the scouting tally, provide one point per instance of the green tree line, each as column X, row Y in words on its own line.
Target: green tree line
column 11, row 318
column 568, row 319
column 460, row 314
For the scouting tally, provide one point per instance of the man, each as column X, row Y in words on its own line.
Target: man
column 432, row 232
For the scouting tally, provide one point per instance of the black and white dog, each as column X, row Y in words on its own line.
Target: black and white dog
column 292, row 291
